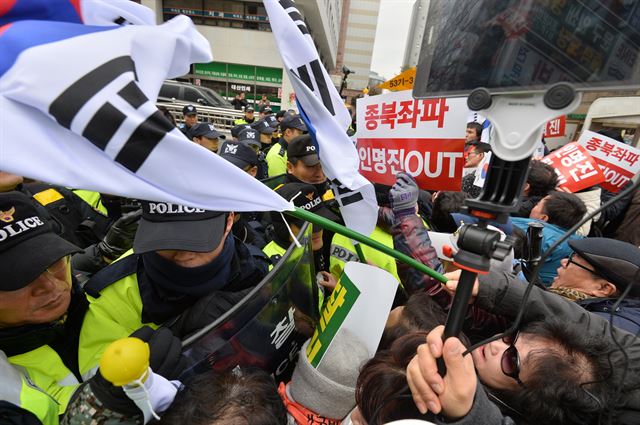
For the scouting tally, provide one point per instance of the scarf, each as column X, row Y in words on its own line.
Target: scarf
column 570, row 294
column 167, row 289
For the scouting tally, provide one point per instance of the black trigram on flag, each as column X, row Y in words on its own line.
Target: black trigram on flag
column 316, row 75
column 107, row 118
column 295, row 15
column 344, row 195
column 310, row 72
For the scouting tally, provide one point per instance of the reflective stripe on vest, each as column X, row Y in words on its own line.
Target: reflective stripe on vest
column 342, row 250
column 46, row 382
column 94, row 199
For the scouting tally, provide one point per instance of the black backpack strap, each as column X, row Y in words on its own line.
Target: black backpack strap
column 111, row 274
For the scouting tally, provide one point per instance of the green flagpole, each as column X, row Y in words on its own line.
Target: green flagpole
column 337, row 228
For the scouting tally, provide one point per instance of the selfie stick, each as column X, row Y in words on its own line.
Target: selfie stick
column 517, row 122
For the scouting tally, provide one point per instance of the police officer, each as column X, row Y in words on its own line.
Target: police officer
column 248, row 116
column 250, row 138
column 206, row 135
column 264, row 111
column 41, row 310
column 183, row 259
column 190, row 114
column 306, row 197
column 292, row 126
column 246, row 226
column 237, row 129
column 303, row 166
column 102, row 238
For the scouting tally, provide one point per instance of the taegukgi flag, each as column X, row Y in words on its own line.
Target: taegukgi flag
column 77, row 96
column 325, row 114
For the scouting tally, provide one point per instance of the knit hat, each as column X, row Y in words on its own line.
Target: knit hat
column 329, row 390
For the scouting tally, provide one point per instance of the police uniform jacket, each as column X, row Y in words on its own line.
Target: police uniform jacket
column 123, row 299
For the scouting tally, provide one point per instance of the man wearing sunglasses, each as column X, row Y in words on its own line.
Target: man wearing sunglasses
column 565, row 365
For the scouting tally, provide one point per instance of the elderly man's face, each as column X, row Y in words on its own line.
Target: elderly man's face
column 44, row 300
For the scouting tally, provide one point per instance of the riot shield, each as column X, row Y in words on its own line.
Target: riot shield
column 268, row 326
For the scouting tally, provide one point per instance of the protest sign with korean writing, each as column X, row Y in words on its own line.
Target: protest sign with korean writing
column 618, row 161
column 424, row 137
column 575, row 167
column 360, row 304
column 556, row 127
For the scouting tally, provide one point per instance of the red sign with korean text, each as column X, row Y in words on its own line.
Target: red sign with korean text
column 556, row 127
column 424, row 137
column 618, row 161
column 435, row 164
column 576, row 169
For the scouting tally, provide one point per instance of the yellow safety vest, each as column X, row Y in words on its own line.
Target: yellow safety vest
column 342, row 250
column 276, row 160
column 47, row 384
column 92, row 198
column 117, row 313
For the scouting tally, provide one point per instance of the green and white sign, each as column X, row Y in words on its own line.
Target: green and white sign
column 232, row 71
column 360, row 303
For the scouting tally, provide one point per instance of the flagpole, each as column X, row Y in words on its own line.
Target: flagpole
column 337, row 228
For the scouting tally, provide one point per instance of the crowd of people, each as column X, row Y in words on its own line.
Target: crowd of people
column 81, row 270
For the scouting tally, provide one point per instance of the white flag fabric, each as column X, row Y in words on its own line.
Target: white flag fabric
column 78, row 109
column 300, row 57
column 325, row 114
column 356, row 196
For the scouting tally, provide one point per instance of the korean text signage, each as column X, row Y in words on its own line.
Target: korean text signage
column 618, row 161
column 403, row 81
column 575, row 167
column 423, row 137
column 335, row 312
column 556, row 127
column 259, row 74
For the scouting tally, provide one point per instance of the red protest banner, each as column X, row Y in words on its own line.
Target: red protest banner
column 618, row 161
column 436, row 164
column 575, row 167
column 556, row 127
column 424, row 137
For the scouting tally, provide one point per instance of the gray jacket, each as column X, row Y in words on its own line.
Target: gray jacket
column 501, row 294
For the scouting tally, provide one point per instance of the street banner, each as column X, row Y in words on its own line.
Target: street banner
column 402, row 81
column 268, row 327
column 556, row 127
column 424, row 137
column 85, row 88
column 575, row 167
column 618, row 161
column 360, row 304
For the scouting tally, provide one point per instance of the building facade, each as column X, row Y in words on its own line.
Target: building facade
column 359, row 40
column 246, row 57
column 416, row 33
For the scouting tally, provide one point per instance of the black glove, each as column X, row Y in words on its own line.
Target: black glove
column 119, row 238
column 166, row 351
column 206, row 311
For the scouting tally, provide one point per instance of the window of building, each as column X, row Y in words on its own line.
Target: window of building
column 222, row 13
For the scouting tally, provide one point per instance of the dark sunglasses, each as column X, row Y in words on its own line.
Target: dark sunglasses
column 510, row 361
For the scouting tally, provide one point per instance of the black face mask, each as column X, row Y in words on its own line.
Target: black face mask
column 167, row 289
